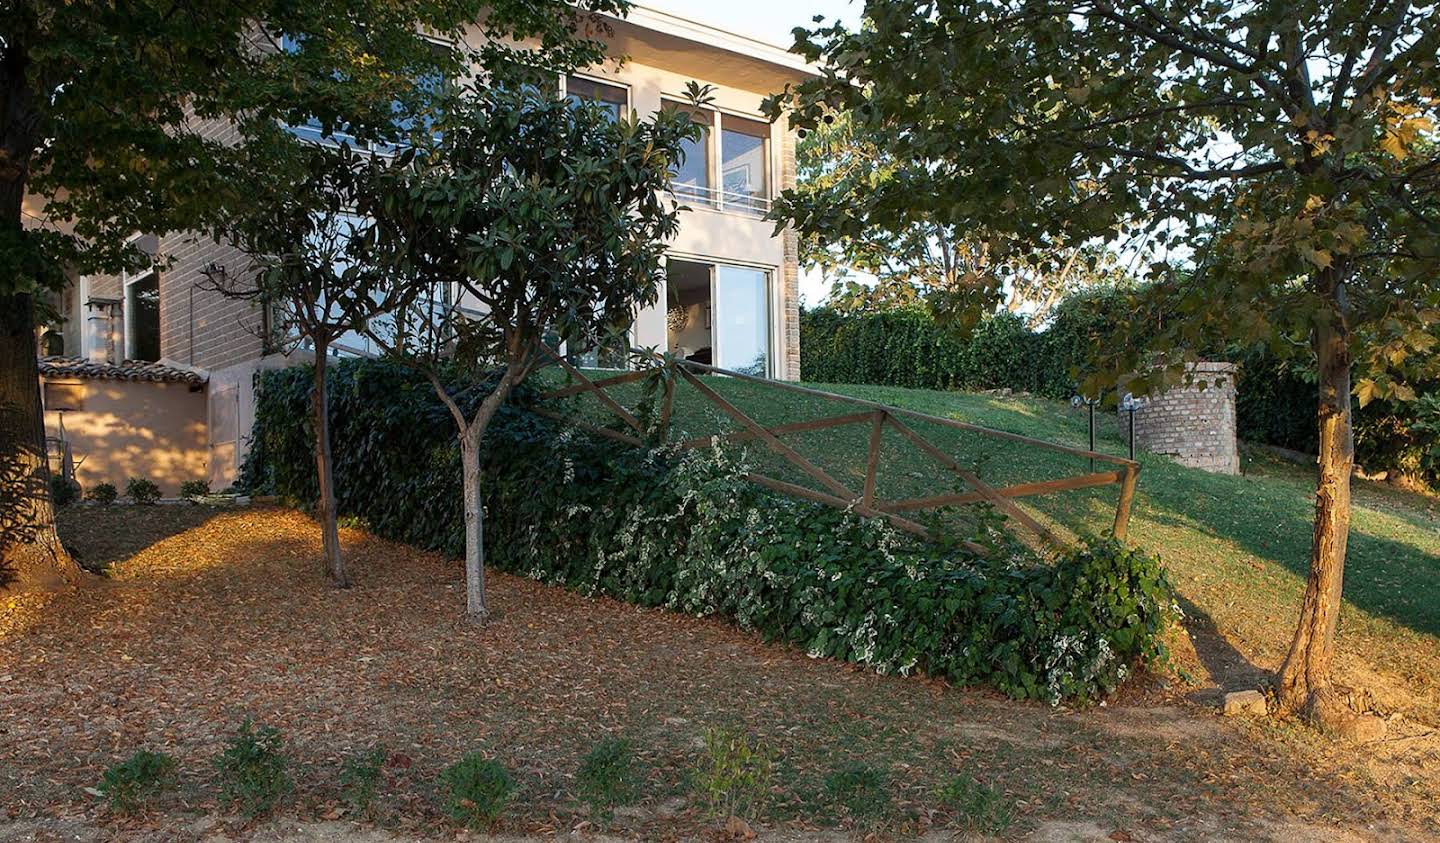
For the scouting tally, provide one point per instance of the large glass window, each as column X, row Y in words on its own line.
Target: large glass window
column 612, row 100
column 745, row 163
column 742, row 320
column 690, row 177
column 142, row 317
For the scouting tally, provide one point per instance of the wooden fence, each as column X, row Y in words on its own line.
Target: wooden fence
column 878, row 417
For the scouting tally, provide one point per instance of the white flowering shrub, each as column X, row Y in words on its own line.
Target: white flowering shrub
column 685, row 530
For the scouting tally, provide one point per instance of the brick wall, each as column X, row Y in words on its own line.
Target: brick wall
column 1195, row 426
column 790, row 272
column 199, row 326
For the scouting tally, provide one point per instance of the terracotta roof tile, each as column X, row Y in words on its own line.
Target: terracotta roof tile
column 130, row 370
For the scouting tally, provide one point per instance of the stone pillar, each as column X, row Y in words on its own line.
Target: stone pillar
column 1194, row 426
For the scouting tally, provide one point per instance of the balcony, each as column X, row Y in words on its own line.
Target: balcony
column 725, row 201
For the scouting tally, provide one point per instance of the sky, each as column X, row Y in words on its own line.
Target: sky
column 767, row 20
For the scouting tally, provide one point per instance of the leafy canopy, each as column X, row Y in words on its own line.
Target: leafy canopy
column 107, row 124
column 1282, row 152
column 543, row 217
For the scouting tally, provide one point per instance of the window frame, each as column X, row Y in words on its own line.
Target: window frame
column 716, row 197
column 127, row 299
column 627, row 88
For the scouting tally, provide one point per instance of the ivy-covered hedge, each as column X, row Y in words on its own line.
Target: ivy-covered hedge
column 686, row 531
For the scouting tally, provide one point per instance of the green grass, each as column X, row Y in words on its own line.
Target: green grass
column 1237, row 546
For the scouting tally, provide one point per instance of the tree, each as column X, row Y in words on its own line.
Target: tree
column 306, row 247
column 1281, row 154
column 540, row 218
column 916, row 256
column 105, row 111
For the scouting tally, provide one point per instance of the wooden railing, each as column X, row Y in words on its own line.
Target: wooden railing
column 878, row 417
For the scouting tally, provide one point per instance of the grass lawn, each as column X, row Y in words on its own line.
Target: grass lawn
column 214, row 616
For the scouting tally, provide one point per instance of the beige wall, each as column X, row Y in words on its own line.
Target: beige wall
column 130, row 429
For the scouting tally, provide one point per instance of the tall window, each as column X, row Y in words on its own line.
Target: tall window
column 612, row 100
column 142, row 316
column 690, row 178
column 745, row 163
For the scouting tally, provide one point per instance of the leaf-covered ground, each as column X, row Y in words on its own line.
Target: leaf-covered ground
column 215, row 616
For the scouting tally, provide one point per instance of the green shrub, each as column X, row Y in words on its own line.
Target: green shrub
column 688, row 531
column 608, row 777
column 192, row 490
column 476, row 790
column 976, row 807
column 734, row 773
column 137, row 779
column 63, row 492
column 142, row 491
column 103, row 494
column 253, row 770
column 360, row 778
column 860, row 789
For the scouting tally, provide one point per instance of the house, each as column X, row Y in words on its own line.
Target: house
column 731, row 298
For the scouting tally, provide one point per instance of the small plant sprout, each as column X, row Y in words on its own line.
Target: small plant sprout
column 361, row 777
column 734, row 774
column 976, row 807
column 253, row 770
column 127, row 786
column 860, row 789
column 477, row 790
column 609, row 777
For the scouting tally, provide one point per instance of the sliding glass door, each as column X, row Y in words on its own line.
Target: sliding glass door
column 742, row 320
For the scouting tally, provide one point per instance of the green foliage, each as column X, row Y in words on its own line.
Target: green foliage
column 609, row 777
column 63, row 492
column 1274, row 405
column 687, row 531
column 860, row 789
column 734, row 773
column 253, row 770
column 976, row 807
column 137, row 779
column 476, row 790
column 361, row 776
column 142, row 490
column 103, row 494
column 906, row 347
column 192, row 490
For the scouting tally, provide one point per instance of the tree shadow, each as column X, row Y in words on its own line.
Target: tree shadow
column 1229, row 669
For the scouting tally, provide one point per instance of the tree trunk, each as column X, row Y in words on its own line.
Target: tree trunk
column 1305, row 681
column 31, row 556
column 324, row 468
column 474, row 524
column 471, row 434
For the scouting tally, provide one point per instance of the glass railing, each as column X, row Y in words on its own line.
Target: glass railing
column 748, row 204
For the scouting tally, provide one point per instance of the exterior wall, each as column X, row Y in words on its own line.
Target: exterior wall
column 1195, row 426
column 128, row 429
column 198, row 326
column 233, row 393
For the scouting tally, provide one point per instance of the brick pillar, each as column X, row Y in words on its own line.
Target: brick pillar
column 789, row 368
column 1195, row 426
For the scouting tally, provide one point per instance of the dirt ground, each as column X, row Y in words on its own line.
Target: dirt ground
column 211, row 617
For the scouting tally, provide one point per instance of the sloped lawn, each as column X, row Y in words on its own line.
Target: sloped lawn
column 212, row 617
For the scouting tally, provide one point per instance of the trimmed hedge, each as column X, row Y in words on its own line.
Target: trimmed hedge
column 907, row 348
column 686, row 531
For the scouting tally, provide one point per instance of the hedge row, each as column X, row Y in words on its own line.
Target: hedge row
column 686, row 531
column 1275, row 402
